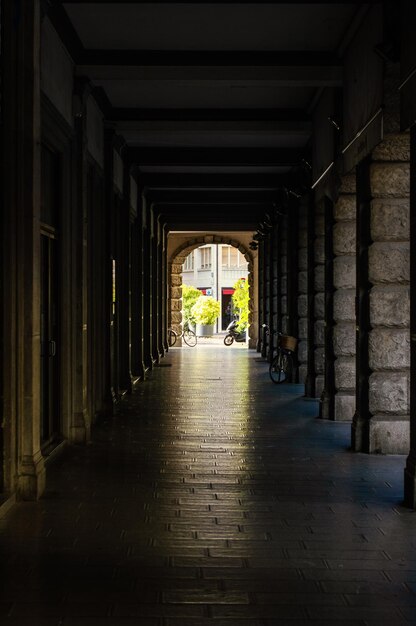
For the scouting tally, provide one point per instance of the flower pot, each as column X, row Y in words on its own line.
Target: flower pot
column 205, row 330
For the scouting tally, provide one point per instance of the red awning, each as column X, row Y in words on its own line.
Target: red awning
column 227, row 292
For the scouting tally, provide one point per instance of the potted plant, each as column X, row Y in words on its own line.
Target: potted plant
column 205, row 311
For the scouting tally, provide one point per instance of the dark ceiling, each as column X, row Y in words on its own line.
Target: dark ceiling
column 214, row 100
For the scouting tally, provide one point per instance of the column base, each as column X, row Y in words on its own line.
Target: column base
column 381, row 434
column 31, row 479
column 389, row 434
column 344, row 406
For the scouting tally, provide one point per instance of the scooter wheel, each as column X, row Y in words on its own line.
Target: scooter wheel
column 228, row 340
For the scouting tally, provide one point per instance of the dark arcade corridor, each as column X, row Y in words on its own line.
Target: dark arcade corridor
column 213, row 497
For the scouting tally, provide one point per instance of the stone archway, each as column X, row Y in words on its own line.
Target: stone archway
column 175, row 263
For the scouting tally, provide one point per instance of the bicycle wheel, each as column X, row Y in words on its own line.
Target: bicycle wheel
column 228, row 340
column 281, row 368
column 172, row 336
column 189, row 337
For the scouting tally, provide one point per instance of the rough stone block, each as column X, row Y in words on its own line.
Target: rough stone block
column 176, row 268
column 303, row 258
column 394, row 147
column 302, row 237
column 283, row 283
column 319, row 305
column 319, row 278
column 344, row 272
column 389, row 434
column 344, row 373
column 176, row 305
column 285, row 324
column 390, row 306
column 389, row 262
column 319, row 360
column 390, row 180
column 303, row 305
column 283, row 264
column 303, row 351
column 319, row 386
column 345, row 208
column 319, row 250
column 344, row 407
column 283, row 304
column 344, row 241
column 390, row 219
column 176, row 293
column 348, row 183
column 389, row 349
column 344, row 305
column 320, row 225
column 303, row 282
column 389, row 393
column 176, row 280
column 344, row 339
column 176, row 317
column 303, row 328
column 319, row 333
column 303, row 373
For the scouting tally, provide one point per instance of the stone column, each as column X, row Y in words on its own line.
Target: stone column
column 319, row 297
column 303, row 291
column 21, row 138
column 123, row 254
column 147, row 288
column 410, row 470
column 389, row 265
column 283, row 264
column 176, row 294
column 344, row 243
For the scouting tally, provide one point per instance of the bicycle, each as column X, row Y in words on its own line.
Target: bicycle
column 281, row 367
column 187, row 335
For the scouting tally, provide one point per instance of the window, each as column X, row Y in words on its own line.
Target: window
column 205, row 258
column 232, row 258
column 189, row 262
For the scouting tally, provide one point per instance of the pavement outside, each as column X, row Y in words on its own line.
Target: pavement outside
column 213, row 497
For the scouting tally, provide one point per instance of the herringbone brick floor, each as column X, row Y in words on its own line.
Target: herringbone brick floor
column 213, row 497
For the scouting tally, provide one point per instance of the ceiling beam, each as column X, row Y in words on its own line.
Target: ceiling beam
column 212, row 196
column 277, row 75
column 207, row 58
column 197, row 2
column 214, row 156
column 197, row 115
column 212, row 181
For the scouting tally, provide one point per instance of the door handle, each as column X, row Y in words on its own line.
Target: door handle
column 52, row 348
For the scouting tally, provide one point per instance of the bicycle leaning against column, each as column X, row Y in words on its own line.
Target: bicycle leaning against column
column 187, row 334
column 282, row 365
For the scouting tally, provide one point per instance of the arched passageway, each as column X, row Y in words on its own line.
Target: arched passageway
column 176, row 259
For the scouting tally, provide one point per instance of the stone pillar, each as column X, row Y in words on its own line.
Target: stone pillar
column 147, row 288
column 344, row 246
column 155, row 289
column 123, row 255
column 410, row 470
column 262, row 299
column 319, row 297
column 303, row 290
column 176, row 294
column 141, row 226
column 284, row 321
column 21, row 139
column 389, row 265
column 306, row 303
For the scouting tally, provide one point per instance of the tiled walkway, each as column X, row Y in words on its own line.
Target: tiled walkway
column 213, row 497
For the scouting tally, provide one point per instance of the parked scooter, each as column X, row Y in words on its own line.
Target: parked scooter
column 233, row 334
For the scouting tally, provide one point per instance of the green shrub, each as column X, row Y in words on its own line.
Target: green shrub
column 190, row 295
column 206, row 310
column 240, row 299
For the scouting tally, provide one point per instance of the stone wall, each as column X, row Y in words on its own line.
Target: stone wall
column 283, row 276
column 389, row 274
column 344, row 248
